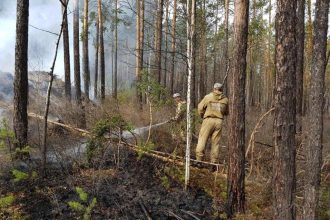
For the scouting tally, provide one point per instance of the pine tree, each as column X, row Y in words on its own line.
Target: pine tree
column 21, row 73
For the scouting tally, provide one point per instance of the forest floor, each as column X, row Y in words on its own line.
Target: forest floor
column 128, row 185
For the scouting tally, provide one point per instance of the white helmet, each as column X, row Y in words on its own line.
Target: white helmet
column 217, row 86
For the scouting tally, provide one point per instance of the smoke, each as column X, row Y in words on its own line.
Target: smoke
column 47, row 15
column 44, row 15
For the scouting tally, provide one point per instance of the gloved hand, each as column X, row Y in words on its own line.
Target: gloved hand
column 171, row 120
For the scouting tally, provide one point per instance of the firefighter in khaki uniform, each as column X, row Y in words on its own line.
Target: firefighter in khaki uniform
column 212, row 109
column 181, row 108
column 180, row 126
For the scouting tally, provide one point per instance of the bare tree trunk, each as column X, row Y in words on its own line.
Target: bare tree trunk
column 251, row 75
column 141, row 39
column 225, row 49
column 236, row 192
column 115, row 79
column 173, row 46
column 139, row 46
column 315, row 113
column 66, row 48
column 191, row 11
column 51, row 75
column 284, row 123
column 300, row 38
column 308, row 54
column 193, row 57
column 85, row 51
column 158, row 41
column 97, row 45
column 102, row 62
column 76, row 51
column 268, row 84
column 167, row 3
column 20, row 121
column 203, row 64
column 215, row 48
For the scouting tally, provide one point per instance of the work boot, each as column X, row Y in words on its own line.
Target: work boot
column 214, row 169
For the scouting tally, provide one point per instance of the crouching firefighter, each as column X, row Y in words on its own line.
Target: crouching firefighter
column 212, row 109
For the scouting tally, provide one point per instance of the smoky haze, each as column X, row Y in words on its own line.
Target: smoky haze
column 46, row 15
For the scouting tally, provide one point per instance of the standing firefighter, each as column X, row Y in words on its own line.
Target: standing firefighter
column 179, row 128
column 181, row 108
column 212, row 109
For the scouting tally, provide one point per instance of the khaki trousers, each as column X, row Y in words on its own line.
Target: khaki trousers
column 211, row 127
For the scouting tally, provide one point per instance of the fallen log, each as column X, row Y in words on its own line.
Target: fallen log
column 168, row 157
column 152, row 153
column 33, row 115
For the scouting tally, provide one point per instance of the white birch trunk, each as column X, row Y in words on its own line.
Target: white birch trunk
column 190, row 47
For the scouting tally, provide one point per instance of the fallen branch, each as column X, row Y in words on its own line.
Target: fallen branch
column 174, row 215
column 190, row 214
column 33, row 115
column 252, row 138
column 153, row 153
column 161, row 155
column 255, row 130
column 268, row 145
column 145, row 211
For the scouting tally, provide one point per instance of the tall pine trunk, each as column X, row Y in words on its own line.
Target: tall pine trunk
column 76, row 36
column 284, row 123
column 166, row 41
column 300, row 38
column 236, row 192
column 139, row 46
column 97, row 46
column 66, row 48
column 173, row 46
column 203, row 50
column 226, row 46
column 85, row 51
column 21, row 73
column 215, row 48
column 308, row 55
column 315, row 113
column 158, row 41
column 115, row 76
column 102, row 62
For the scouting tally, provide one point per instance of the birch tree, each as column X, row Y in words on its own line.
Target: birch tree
column 191, row 9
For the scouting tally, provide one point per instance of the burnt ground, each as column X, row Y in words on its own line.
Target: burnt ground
column 119, row 191
column 158, row 185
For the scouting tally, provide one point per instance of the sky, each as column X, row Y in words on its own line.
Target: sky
column 47, row 15
column 44, row 14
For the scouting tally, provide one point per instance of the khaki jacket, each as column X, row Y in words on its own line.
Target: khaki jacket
column 213, row 105
column 180, row 111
